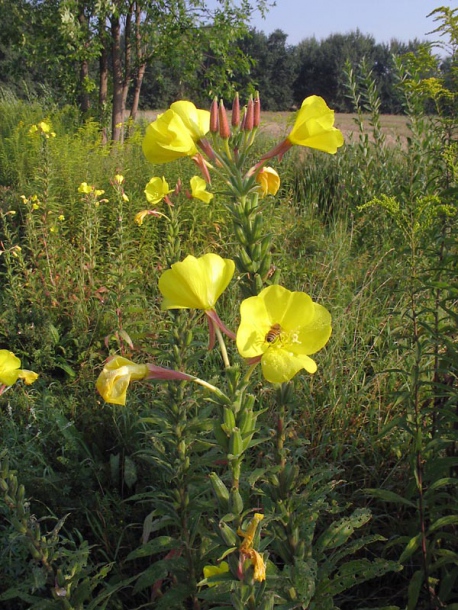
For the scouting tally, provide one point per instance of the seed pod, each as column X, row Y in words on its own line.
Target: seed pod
column 235, row 502
column 220, row 489
column 228, row 534
column 229, row 418
column 235, row 443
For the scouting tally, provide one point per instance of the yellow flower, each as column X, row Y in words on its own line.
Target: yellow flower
column 314, row 126
column 246, row 548
column 10, row 371
column 114, row 380
column 210, row 571
column 281, row 329
column 44, row 128
column 85, row 188
column 196, row 283
column 269, row 181
column 156, row 190
column 199, row 189
column 118, row 179
column 175, row 133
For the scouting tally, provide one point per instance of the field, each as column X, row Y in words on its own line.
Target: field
column 228, row 477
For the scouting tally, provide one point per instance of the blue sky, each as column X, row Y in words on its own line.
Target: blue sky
column 384, row 19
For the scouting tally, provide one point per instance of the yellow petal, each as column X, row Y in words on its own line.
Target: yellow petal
column 269, row 181
column 196, row 283
column 167, row 139
column 156, row 190
column 210, row 571
column 28, row 376
column 195, row 120
column 199, row 189
column 9, row 367
column 280, row 365
column 314, row 126
column 114, row 380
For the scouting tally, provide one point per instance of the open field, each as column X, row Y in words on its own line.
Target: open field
column 277, row 124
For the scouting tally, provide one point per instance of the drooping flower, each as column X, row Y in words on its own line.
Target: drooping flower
column 10, row 371
column 196, row 283
column 118, row 372
column 199, row 189
column 247, row 550
column 209, row 571
column 140, row 216
column 174, row 133
column 314, row 128
column 156, row 190
column 281, row 329
column 269, row 181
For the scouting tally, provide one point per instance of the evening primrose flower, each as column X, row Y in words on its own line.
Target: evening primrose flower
column 247, row 550
column 175, row 133
column 199, row 189
column 314, row 128
column 10, row 371
column 281, row 329
column 197, row 283
column 269, row 181
column 156, row 190
column 118, row 372
column 140, row 216
column 43, row 128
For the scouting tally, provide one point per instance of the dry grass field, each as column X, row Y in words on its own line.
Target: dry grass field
column 278, row 124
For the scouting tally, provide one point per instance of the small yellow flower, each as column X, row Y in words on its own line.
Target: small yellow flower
column 156, row 190
column 10, row 371
column 118, row 179
column 210, row 571
column 85, row 188
column 114, row 380
column 196, row 283
column 98, row 192
column 125, row 197
column 199, row 189
column 269, row 181
column 174, row 133
column 281, row 329
column 61, row 217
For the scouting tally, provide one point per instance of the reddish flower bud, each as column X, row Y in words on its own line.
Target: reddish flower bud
column 256, row 110
column 224, row 129
column 214, row 116
column 249, row 115
column 236, row 111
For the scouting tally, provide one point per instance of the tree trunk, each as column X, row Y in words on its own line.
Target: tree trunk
column 117, row 113
column 136, row 96
column 103, row 83
column 84, row 100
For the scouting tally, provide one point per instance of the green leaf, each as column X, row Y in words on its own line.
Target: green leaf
column 158, row 545
column 443, row 522
column 388, row 496
column 410, row 549
column 413, row 593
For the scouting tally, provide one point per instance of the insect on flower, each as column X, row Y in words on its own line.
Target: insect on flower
column 273, row 333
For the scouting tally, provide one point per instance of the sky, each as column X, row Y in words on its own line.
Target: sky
column 384, row 19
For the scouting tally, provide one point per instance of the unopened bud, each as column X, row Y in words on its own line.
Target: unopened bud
column 224, row 129
column 256, row 110
column 214, row 116
column 235, row 111
column 249, row 116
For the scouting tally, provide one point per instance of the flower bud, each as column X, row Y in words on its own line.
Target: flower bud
column 256, row 110
column 224, row 129
column 220, row 489
column 235, row 111
column 214, row 116
column 249, row 116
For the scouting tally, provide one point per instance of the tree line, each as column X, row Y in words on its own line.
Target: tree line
column 112, row 57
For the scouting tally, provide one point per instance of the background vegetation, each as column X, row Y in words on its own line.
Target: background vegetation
column 370, row 233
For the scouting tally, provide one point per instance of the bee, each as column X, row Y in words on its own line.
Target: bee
column 273, row 333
